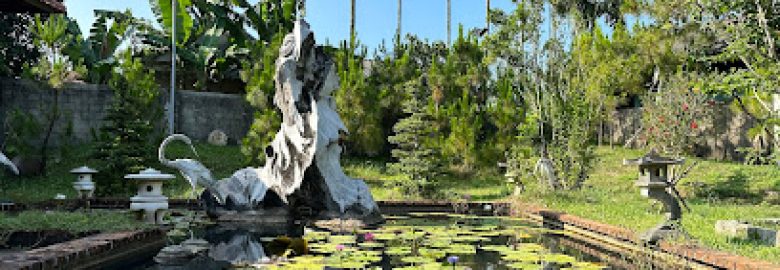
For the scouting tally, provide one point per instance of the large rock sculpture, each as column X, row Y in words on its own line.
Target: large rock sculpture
column 302, row 169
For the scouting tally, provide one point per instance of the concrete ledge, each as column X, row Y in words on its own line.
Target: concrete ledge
column 708, row 257
column 387, row 207
column 85, row 252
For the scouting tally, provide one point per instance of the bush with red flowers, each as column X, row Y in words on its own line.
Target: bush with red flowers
column 676, row 117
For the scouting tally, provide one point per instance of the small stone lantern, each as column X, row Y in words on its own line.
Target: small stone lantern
column 654, row 183
column 84, row 186
column 512, row 177
column 150, row 199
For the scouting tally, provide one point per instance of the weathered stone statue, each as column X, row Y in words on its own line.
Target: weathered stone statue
column 302, row 169
column 655, row 183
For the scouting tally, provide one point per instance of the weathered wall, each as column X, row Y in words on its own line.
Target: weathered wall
column 728, row 132
column 84, row 106
column 199, row 113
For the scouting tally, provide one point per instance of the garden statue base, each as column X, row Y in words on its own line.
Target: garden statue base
column 665, row 230
column 302, row 169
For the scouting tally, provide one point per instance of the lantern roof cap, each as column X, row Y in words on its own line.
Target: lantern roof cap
column 652, row 158
column 83, row 170
column 150, row 174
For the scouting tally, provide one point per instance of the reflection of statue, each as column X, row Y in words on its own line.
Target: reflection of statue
column 302, row 166
column 7, row 162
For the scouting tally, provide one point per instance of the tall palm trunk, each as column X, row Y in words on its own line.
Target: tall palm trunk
column 398, row 27
column 352, row 25
column 449, row 26
column 487, row 15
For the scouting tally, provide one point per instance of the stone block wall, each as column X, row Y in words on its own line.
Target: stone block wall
column 199, row 113
column 729, row 132
column 84, row 107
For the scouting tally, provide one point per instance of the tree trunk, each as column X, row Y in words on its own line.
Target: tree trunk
column 52, row 119
column 776, row 128
column 449, row 28
column 352, row 25
column 487, row 15
column 398, row 23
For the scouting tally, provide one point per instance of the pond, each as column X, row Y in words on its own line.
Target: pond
column 415, row 241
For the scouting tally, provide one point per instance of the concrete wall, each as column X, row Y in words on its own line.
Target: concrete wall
column 84, row 106
column 198, row 113
column 728, row 132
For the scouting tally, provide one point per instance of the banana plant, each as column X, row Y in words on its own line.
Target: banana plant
column 212, row 36
column 110, row 30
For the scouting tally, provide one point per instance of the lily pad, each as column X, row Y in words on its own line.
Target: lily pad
column 417, row 260
column 398, row 251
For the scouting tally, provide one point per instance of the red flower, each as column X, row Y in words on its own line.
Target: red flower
column 685, row 106
column 694, row 125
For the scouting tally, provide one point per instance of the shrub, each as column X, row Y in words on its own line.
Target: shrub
column 676, row 117
column 416, row 159
column 126, row 143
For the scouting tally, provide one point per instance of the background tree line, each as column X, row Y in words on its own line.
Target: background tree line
column 536, row 89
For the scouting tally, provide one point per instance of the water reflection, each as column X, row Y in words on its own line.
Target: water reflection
column 226, row 245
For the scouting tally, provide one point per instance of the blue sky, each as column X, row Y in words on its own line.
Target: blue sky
column 375, row 19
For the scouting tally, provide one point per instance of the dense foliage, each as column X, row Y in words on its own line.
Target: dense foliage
column 535, row 88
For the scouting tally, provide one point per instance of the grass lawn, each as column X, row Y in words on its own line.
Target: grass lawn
column 75, row 222
column 734, row 191
column 724, row 191
column 223, row 161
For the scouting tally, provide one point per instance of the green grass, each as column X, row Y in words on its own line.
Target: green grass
column 610, row 197
column 222, row 160
column 484, row 184
column 731, row 190
column 102, row 221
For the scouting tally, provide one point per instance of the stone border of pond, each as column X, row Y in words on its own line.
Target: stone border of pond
column 613, row 237
column 388, row 207
column 96, row 251
column 609, row 237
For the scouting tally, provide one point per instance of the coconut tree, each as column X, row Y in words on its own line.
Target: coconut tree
column 398, row 23
column 352, row 24
column 449, row 20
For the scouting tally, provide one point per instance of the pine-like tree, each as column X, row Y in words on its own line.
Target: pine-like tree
column 416, row 159
column 126, row 143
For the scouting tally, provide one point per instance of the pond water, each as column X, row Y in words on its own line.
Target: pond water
column 416, row 241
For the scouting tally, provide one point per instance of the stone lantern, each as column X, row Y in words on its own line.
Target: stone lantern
column 511, row 176
column 84, row 186
column 150, row 199
column 655, row 183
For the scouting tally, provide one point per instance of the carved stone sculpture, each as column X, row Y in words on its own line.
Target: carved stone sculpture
column 655, row 183
column 302, row 167
column 7, row 162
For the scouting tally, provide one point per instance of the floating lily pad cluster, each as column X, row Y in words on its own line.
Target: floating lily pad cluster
column 438, row 241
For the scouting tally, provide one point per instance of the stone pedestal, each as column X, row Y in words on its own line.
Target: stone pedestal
column 150, row 199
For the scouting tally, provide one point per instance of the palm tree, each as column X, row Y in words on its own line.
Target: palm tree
column 487, row 15
column 352, row 25
column 449, row 28
column 398, row 27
